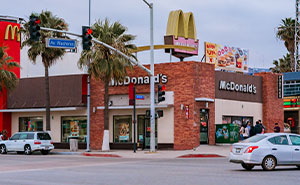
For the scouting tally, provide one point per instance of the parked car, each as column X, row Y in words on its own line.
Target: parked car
column 268, row 150
column 27, row 142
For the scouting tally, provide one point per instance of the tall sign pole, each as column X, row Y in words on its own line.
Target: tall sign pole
column 296, row 35
column 152, row 92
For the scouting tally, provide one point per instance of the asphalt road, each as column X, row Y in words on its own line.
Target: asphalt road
column 75, row 169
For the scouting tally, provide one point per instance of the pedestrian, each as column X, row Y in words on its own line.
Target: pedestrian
column 276, row 128
column 4, row 135
column 258, row 128
column 252, row 130
column 242, row 131
column 264, row 129
column 247, row 130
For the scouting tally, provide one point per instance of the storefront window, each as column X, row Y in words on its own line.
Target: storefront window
column 238, row 120
column 30, row 124
column 122, row 129
column 74, row 126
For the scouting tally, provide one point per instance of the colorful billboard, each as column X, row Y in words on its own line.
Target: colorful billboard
column 226, row 57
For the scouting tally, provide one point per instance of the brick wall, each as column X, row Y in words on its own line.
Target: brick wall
column 272, row 106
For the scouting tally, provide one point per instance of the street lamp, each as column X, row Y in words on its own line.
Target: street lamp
column 152, row 105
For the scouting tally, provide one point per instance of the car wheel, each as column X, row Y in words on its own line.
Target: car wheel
column 27, row 150
column 45, row 152
column 269, row 163
column 247, row 166
column 3, row 149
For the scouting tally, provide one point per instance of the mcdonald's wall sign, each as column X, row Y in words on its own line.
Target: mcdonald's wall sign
column 11, row 38
column 181, row 30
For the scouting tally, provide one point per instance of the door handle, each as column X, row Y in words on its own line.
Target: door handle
column 297, row 150
column 274, row 148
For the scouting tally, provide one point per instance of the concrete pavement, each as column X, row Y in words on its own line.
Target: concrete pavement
column 201, row 151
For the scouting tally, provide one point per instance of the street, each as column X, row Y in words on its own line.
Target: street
column 76, row 169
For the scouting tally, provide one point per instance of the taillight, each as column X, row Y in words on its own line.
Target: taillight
column 250, row 149
column 51, row 142
column 37, row 142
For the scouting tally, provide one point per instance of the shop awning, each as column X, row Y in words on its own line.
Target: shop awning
column 43, row 109
column 205, row 99
column 137, row 107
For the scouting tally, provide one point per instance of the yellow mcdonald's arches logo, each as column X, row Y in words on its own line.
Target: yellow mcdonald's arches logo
column 181, row 25
column 13, row 31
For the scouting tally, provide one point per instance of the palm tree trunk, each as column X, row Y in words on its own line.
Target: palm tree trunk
column 292, row 61
column 106, row 99
column 47, row 91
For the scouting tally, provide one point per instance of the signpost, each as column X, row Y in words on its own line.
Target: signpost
column 61, row 43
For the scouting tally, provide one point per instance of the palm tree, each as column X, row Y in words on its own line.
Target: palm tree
column 49, row 55
column 282, row 65
column 105, row 64
column 8, row 79
column 286, row 33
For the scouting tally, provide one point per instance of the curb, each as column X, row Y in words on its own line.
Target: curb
column 199, row 156
column 66, row 153
column 100, row 155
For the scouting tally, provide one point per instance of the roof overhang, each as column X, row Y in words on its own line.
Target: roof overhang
column 44, row 109
column 204, row 99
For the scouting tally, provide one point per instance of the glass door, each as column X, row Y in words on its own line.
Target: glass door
column 204, row 117
column 144, row 132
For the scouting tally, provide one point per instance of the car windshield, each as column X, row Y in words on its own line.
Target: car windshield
column 43, row 136
column 254, row 139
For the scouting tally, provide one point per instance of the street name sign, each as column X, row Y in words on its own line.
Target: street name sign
column 61, row 43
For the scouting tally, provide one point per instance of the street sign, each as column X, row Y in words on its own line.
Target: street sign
column 61, row 43
column 139, row 97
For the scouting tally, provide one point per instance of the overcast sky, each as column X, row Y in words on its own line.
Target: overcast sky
column 249, row 24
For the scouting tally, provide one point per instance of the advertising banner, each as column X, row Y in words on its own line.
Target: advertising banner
column 74, row 128
column 226, row 57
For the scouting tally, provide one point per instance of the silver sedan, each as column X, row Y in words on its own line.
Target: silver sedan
column 268, row 150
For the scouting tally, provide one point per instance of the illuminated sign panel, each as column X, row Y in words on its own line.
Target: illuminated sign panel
column 291, row 103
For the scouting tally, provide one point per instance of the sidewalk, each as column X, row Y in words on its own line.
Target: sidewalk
column 201, row 151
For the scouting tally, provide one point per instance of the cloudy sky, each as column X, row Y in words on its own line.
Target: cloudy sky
column 247, row 24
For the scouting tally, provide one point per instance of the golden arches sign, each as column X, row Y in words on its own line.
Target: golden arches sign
column 181, row 25
column 13, row 31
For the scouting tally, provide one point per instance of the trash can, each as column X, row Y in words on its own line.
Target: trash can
column 73, row 144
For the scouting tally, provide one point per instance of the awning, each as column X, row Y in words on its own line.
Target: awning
column 44, row 109
column 205, row 99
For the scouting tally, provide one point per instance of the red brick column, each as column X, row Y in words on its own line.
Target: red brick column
column 272, row 106
column 96, row 118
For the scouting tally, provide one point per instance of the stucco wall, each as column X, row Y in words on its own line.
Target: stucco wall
column 237, row 108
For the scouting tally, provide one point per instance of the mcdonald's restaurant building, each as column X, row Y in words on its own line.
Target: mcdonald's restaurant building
column 197, row 99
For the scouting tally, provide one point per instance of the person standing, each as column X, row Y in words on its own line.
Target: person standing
column 242, row 131
column 247, row 132
column 258, row 128
column 276, row 128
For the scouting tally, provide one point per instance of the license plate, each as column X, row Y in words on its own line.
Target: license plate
column 238, row 150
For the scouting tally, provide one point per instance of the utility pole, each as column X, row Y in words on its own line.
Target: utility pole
column 88, row 94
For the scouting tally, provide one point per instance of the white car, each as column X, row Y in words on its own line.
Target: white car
column 268, row 150
column 27, row 142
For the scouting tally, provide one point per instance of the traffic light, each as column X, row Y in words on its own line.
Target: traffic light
column 34, row 28
column 160, row 93
column 86, row 38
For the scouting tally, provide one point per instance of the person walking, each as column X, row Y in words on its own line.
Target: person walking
column 276, row 128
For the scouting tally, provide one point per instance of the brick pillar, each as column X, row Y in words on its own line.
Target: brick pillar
column 272, row 106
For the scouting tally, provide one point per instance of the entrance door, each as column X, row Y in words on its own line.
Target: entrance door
column 204, row 116
column 144, row 132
